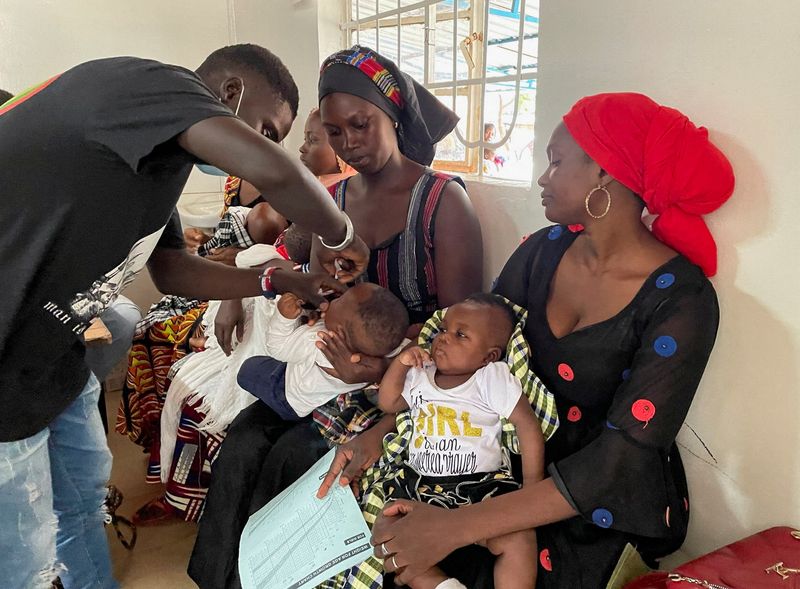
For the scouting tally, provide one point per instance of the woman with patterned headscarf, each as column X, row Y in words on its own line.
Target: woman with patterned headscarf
column 621, row 322
column 425, row 246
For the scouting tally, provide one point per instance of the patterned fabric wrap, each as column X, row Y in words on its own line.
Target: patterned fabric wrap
column 422, row 119
column 376, row 481
column 230, row 232
column 449, row 492
column 346, row 416
column 151, row 356
column 153, row 466
column 364, row 59
column 163, row 312
column 190, row 474
column 230, row 193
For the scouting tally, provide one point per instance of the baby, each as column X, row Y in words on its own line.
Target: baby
column 240, row 228
column 457, row 395
column 292, row 380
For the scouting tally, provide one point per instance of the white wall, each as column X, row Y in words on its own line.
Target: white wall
column 288, row 28
column 731, row 66
column 40, row 38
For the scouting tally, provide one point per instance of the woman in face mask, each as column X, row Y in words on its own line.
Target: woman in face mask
column 425, row 246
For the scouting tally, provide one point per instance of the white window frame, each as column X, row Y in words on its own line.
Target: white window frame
column 474, row 85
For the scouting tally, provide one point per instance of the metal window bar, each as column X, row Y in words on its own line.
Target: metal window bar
column 232, row 33
column 482, row 78
column 353, row 24
column 398, row 29
column 517, row 78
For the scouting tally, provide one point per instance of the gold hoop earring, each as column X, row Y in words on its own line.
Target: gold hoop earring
column 589, row 196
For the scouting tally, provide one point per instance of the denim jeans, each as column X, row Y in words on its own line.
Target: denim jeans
column 52, row 493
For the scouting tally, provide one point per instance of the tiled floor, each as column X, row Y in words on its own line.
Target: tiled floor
column 162, row 552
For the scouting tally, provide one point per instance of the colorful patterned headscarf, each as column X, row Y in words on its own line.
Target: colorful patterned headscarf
column 659, row 154
column 422, row 120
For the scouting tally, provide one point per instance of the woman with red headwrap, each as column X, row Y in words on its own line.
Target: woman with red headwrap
column 621, row 323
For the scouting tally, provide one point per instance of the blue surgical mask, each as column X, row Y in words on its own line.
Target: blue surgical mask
column 214, row 170
column 211, row 170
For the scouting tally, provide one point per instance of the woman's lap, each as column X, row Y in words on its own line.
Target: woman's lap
column 293, row 454
column 575, row 553
column 189, row 473
column 261, row 455
column 572, row 559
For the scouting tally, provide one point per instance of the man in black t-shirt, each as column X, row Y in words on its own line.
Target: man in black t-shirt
column 94, row 160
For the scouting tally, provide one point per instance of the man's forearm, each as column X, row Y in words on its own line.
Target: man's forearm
column 177, row 272
column 302, row 199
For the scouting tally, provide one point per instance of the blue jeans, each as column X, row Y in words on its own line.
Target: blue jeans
column 52, row 493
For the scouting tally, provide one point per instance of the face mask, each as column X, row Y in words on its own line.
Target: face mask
column 214, row 170
column 210, row 170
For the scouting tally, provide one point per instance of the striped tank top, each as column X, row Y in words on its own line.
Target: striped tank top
column 405, row 263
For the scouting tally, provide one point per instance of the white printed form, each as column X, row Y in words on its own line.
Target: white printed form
column 298, row 541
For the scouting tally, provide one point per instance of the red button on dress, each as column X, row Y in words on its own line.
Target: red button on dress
column 643, row 410
column 565, row 372
column 544, row 560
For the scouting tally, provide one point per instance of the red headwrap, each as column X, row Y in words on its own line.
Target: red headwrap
column 659, row 154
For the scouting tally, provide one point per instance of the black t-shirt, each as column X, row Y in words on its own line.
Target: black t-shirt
column 90, row 176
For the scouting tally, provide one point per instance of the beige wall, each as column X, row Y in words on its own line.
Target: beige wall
column 732, row 66
column 289, row 29
column 39, row 37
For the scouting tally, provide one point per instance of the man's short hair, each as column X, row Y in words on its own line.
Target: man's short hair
column 259, row 60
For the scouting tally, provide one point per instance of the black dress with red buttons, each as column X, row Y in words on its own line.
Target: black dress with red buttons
column 623, row 388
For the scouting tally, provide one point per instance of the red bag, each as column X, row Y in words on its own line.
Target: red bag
column 765, row 560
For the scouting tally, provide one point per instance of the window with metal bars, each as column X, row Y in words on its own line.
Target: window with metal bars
column 479, row 57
